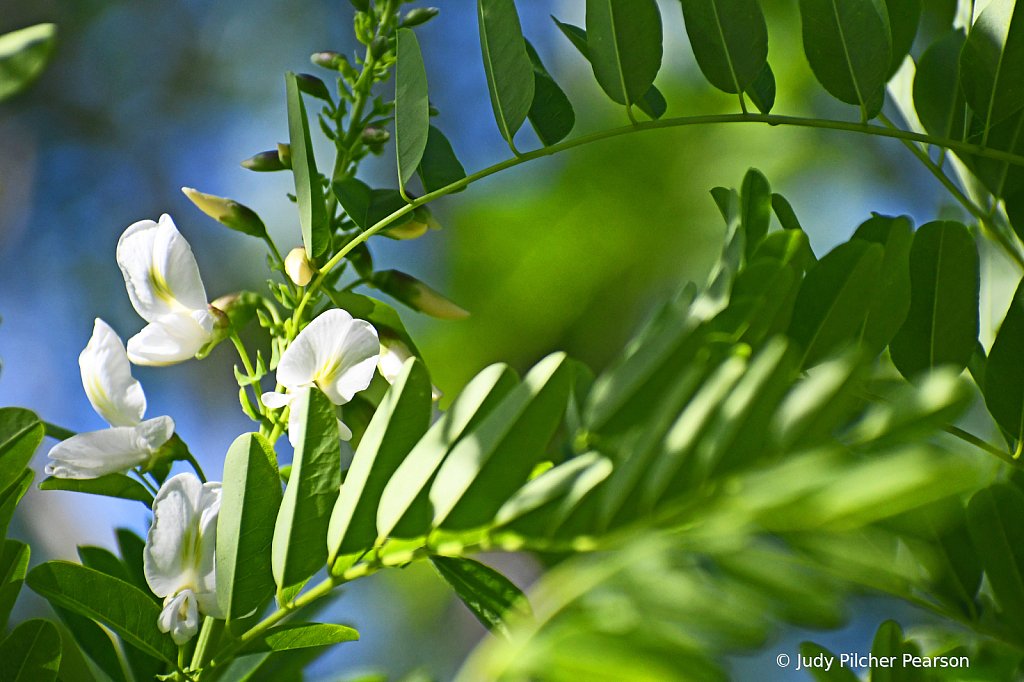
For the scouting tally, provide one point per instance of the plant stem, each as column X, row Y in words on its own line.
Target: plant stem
column 250, row 372
column 983, row 445
column 145, row 482
column 225, row 654
column 195, row 467
column 984, row 218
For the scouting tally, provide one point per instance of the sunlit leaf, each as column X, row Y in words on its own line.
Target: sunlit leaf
column 13, row 566
column 21, row 432
column 250, row 502
column 10, row 496
column 300, row 534
column 23, row 56
column 300, row 636
column 400, row 421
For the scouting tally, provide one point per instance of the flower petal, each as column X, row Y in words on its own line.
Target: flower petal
column 392, row 358
column 180, row 617
column 159, row 269
column 274, row 400
column 206, row 563
column 107, row 377
column 171, row 338
column 97, row 453
column 336, row 352
column 344, row 432
column 175, row 518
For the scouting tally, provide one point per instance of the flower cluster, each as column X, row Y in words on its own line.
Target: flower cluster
column 334, row 352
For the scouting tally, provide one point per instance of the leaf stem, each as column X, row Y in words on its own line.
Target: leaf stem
column 145, row 481
column 983, row 445
column 250, row 372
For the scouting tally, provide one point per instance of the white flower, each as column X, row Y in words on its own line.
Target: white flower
column 393, row 354
column 336, row 354
column 118, row 398
column 180, row 556
column 164, row 285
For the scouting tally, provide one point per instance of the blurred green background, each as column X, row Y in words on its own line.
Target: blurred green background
column 570, row 252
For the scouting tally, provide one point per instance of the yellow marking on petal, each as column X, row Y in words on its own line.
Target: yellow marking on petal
column 162, row 290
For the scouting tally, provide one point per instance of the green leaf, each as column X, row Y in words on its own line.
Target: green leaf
column 412, row 110
column 313, row 218
column 904, row 16
column 995, row 518
column 834, row 299
column 299, row 547
column 624, row 44
column 31, row 653
column 10, row 497
column 849, row 47
column 729, row 39
column 94, row 642
column 942, row 324
column 404, row 509
column 835, row 673
column 124, row 608
column 132, row 550
column 494, row 459
column 762, row 91
column 578, row 473
column 13, row 566
column 551, row 113
column 21, row 432
column 250, row 502
column 939, row 102
column 355, row 196
column 785, row 213
column 651, row 103
column 300, row 636
column 400, row 421
column 23, row 55
column 888, row 643
column 110, row 485
column 104, row 561
column 439, row 166
column 992, row 61
column 1004, row 370
column 755, row 207
column 510, row 78
column 891, row 301
column 489, row 595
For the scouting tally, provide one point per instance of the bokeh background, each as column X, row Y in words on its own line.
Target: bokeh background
column 146, row 96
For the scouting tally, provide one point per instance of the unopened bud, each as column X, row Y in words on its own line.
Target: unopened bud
column 422, row 214
column 411, row 229
column 240, row 307
column 372, row 135
column 221, row 331
column 264, row 162
column 329, row 59
column 417, row 295
column 228, row 212
column 284, row 153
column 379, row 47
column 420, row 15
column 297, row 266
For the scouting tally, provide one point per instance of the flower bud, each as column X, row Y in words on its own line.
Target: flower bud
column 240, row 307
column 379, row 47
column 264, row 162
column 221, row 331
column 228, row 212
column 417, row 295
column 284, row 153
column 329, row 59
column 313, row 86
column 420, row 15
column 298, row 267
column 410, row 229
column 375, row 136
